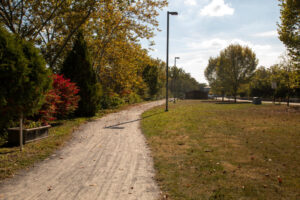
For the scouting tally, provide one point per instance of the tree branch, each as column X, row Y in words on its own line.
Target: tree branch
column 70, row 36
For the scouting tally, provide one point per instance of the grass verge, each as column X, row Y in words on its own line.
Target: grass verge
column 218, row 151
column 12, row 159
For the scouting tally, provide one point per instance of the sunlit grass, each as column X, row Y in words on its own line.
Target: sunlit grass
column 235, row 151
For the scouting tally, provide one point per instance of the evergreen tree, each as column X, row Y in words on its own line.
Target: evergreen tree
column 24, row 78
column 78, row 68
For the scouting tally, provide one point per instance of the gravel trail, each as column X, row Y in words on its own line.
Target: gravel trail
column 107, row 159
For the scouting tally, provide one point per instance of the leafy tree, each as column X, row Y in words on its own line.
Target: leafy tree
column 214, row 76
column 150, row 76
column 24, row 78
column 289, row 29
column 50, row 24
column 120, row 22
column 237, row 65
column 78, row 68
column 260, row 84
column 182, row 82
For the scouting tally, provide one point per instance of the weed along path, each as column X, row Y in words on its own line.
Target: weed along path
column 107, row 159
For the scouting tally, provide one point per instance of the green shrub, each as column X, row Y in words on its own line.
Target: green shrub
column 24, row 78
column 111, row 101
column 133, row 98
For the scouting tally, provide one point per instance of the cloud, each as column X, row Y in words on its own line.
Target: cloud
column 190, row 2
column 217, row 8
column 266, row 34
column 217, row 44
column 194, row 58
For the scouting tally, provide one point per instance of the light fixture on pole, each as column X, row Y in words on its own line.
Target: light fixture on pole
column 175, row 60
column 167, row 58
column 173, row 80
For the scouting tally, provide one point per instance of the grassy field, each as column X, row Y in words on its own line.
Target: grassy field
column 232, row 151
column 12, row 160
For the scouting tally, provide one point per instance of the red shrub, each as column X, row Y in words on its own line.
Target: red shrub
column 61, row 100
column 68, row 95
column 49, row 108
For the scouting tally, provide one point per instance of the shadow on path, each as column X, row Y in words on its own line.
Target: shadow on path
column 117, row 126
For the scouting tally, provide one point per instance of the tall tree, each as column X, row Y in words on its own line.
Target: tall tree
column 237, row 64
column 24, row 79
column 260, row 84
column 182, row 82
column 120, row 22
column 289, row 28
column 78, row 68
column 215, row 76
column 24, row 76
column 50, row 24
column 150, row 76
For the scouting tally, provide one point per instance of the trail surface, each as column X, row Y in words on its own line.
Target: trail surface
column 107, row 159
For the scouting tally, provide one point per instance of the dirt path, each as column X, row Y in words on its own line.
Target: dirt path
column 107, row 160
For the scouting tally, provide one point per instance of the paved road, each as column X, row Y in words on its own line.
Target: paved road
column 107, row 159
column 240, row 100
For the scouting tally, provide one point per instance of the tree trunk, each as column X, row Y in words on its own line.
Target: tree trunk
column 21, row 132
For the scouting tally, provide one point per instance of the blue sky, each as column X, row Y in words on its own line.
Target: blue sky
column 204, row 27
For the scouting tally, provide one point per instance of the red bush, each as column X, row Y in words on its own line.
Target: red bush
column 61, row 100
column 68, row 96
column 49, row 108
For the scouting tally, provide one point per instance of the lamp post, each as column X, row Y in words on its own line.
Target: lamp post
column 175, row 60
column 174, row 78
column 167, row 58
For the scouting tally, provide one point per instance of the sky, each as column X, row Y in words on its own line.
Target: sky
column 205, row 27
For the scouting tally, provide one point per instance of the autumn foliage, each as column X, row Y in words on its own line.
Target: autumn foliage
column 61, row 100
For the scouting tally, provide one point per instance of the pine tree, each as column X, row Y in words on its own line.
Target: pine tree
column 78, row 68
column 24, row 78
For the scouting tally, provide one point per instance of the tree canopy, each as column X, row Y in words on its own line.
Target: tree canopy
column 78, row 68
column 289, row 28
column 182, row 82
column 23, row 75
column 232, row 68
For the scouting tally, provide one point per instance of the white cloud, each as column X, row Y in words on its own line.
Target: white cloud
column 217, row 8
column 195, row 57
column 266, row 34
column 190, row 2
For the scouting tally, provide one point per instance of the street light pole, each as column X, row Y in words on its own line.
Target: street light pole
column 174, row 78
column 175, row 60
column 167, row 58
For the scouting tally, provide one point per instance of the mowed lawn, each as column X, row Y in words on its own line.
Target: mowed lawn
column 225, row 151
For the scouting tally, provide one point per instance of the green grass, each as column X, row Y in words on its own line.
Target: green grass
column 218, row 151
column 12, row 159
